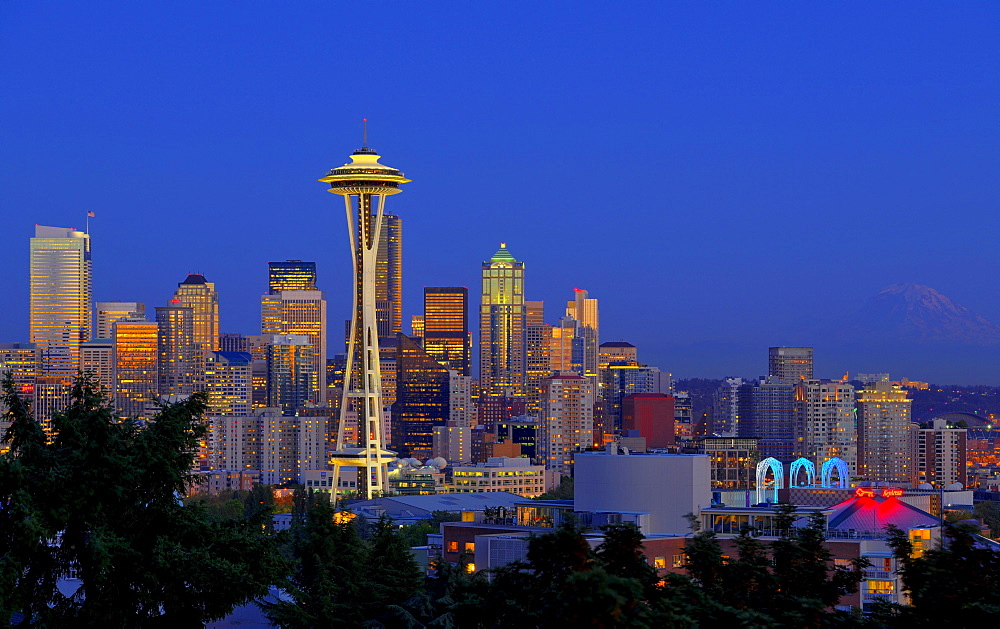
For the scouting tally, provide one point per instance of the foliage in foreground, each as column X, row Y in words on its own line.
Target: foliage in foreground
column 340, row 579
column 101, row 502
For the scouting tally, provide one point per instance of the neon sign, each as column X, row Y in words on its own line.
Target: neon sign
column 862, row 492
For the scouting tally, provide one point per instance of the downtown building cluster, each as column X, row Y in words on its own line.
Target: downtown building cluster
column 545, row 390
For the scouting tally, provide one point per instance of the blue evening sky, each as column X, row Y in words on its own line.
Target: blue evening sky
column 718, row 175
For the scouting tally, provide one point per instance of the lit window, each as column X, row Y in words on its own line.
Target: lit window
column 659, row 562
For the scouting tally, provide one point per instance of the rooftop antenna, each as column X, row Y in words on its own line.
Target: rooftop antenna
column 365, row 143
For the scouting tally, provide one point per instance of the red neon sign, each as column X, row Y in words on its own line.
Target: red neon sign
column 862, row 492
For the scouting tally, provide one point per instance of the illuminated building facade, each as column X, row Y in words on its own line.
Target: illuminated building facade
column 825, row 422
column 446, row 327
column 564, row 354
column 302, row 313
column 884, row 439
column 500, row 473
column 136, row 357
column 179, row 367
column 501, row 324
column 939, row 454
column 291, row 275
column 97, row 357
column 567, row 423
column 733, row 461
column 726, row 408
column 767, row 413
column 107, row 312
column 291, row 372
column 583, row 310
column 537, row 353
column 365, row 184
column 389, row 277
column 23, row 362
column 199, row 294
column 60, row 313
column 790, row 364
column 228, row 384
column 417, row 326
column 51, row 395
column 422, row 399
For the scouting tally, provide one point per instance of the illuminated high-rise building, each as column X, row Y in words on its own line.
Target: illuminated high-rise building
column 197, row 293
column 179, row 365
column 537, row 353
column 389, row 277
column 417, row 326
column 364, row 183
column 884, row 434
column 564, row 351
column 291, row 275
column 567, row 422
column 291, row 372
column 825, row 422
column 300, row 312
column 107, row 312
column 501, row 324
column 136, row 358
column 97, row 357
column 584, row 311
column 422, row 399
column 790, row 364
column 446, row 327
column 228, row 384
column 22, row 361
column 60, row 312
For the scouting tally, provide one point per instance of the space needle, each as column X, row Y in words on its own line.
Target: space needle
column 364, row 183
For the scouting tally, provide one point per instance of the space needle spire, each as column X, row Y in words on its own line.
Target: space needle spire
column 364, row 183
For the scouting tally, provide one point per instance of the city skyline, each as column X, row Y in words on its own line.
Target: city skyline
column 866, row 144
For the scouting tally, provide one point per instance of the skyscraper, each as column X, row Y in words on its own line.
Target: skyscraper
column 197, row 293
column 291, row 275
column 767, row 412
column 825, row 422
column 884, row 427
column 110, row 311
column 300, row 312
column 364, row 183
column 567, row 423
column 136, row 358
column 179, row 361
column 501, row 324
column 790, row 364
column 537, row 353
column 60, row 314
column 446, row 327
column 389, row 277
column 422, row 399
column 584, row 311
column 291, row 372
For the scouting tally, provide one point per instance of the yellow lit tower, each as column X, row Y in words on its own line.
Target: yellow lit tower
column 364, row 183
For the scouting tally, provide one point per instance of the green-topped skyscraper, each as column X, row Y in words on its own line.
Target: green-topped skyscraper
column 501, row 325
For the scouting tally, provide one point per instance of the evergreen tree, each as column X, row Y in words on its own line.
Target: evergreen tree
column 393, row 574
column 327, row 586
column 102, row 502
column 955, row 584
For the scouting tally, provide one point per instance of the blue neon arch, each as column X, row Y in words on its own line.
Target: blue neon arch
column 774, row 465
column 797, row 465
column 843, row 475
